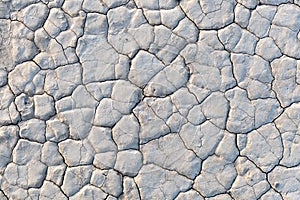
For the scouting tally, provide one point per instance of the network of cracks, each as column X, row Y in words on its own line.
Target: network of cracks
column 140, row 99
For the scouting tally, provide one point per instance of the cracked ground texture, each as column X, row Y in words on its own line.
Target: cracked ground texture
column 149, row 99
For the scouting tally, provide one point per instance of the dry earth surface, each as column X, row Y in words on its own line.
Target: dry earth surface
column 149, row 99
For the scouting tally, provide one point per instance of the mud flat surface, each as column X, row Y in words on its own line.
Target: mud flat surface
column 140, row 99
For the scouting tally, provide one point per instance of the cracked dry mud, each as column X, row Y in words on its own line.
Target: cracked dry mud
column 140, row 99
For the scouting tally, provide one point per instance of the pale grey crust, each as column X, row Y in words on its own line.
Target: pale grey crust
column 140, row 99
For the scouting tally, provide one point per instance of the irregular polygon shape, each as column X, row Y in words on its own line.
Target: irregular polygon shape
column 237, row 39
column 227, row 148
column 267, row 49
column 72, row 7
column 166, row 45
column 288, row 125
column 125, row 133
column 75, row 179
column 183, row 100
column 169, row 152
column 101, row 139
column 8, row 140
column 254, row 113
column 253, row 74
column 6, row 97
column 56, row 131
column 217, row 176
column 50, row 191
column 76, row 152
column 152, row 126
column 175, row 122
column 25, row 176
column 209, row 38
column 285, row 85
column 248, row 3
column 209, row 14
column 157, row 183
column 125, row 92
column 215, row 109
column 98, row 177
column 107, row 114
column 56, row 22
column 36, row 173
column 95, row 67
column 170, row 18
column 168, row 80
column 34, row 15
column 129, row 167
column 33, row 129
column 144, row 67
column 119, row 20
column 44, row 60
column 191, row 194
column 96, row 24
column 250, row 182
column 27, row 70
column 25, row 106
column 259, row 24
column 202, row 139
column 286, row 181
column 266, row 110
column 105, row 160
column 89, row 192
column 26, row 151
column 50, row 154
column 24, row 50
column 113, row 183
column 162, row 107
column 187, row 29
column 43, row 106
column 267, row 140
column 94, row 6
column 63, row 80
column 242, row 15
column 130, row 189
column 196, row 116
column 56, row 173
column 79, row 121
column 100, row 90
column 288, row 15
column 286, row 39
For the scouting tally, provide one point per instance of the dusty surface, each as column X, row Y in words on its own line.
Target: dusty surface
column 140, row 99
